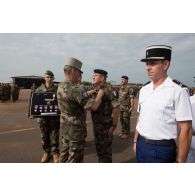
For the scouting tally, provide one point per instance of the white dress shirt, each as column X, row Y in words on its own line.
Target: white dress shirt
column 192, row 99
column 160, row 109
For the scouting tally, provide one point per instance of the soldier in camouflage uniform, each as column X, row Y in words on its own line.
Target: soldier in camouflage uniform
column 49, row 125
column 9, row 91
column 3, row 93
column 33, row 88
column 126, row 100
column 104, row 113
column 14, row 92
column 71, row 100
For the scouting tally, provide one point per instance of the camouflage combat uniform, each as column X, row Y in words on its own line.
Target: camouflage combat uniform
column 15, row 93
column 125, row 95
column 2, row 92
column 72, row 99
column 102, row 122
column 49, row 127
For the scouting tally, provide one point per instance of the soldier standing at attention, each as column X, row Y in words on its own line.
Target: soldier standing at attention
column 49, row 125
column 104, row 113
column 2, row 93
column 33, row 88
column 14, row 92
column 126, row 100
column 71, row 100
column 165, row 114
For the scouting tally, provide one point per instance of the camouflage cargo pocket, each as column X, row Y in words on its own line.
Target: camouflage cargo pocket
column 76, row 133
column 73, row 120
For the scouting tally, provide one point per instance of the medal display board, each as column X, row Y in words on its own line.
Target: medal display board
column 43, row 104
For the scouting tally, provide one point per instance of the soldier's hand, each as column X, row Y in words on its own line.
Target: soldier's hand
column 91, row 92
column 100, row 93
column 111, row 130
column 134, row 148
column 130, row 109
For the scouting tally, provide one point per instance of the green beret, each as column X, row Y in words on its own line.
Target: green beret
column 48, row 72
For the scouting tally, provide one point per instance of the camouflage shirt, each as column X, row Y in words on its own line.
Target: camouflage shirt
column 71, row 101
column 125, row 95
column 103, row 114
column 43, row 88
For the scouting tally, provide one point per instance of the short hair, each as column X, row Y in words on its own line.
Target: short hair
column 125, row 77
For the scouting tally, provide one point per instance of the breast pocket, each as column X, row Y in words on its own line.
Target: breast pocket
column 169, row 111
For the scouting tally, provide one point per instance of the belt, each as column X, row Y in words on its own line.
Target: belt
column 162, row 142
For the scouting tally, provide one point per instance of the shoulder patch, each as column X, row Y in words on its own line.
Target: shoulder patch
column 179, row 83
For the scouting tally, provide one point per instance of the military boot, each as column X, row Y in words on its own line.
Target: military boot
column 45, row 158
column 56, row 158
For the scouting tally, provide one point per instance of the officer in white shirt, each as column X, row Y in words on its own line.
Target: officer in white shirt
column 165, row 114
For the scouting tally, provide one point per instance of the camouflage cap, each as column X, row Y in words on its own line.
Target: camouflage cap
column 74, row 63
column 48, row 72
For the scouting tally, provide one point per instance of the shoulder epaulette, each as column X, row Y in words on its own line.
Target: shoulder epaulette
column 179, row 83
column 147, row 83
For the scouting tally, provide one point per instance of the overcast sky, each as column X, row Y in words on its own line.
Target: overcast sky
column 119, row 54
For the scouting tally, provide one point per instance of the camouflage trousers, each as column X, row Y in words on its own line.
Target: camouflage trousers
column 73, row 142
column 50, row 134
column 125, row 122
column 103, row 143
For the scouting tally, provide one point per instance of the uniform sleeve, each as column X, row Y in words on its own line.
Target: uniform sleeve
column 183, row 110
column 131, row 93
column 59, row 97
column 114, row 100
column 79, row 95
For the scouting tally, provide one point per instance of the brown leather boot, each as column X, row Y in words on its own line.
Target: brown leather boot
column 56, row 158
column 45, row 158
